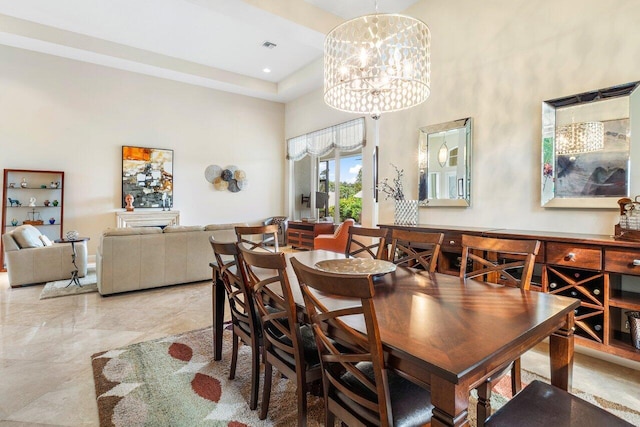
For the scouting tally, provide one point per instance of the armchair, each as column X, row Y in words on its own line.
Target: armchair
column 336, row 242
column 282, row 222
column 32, row 258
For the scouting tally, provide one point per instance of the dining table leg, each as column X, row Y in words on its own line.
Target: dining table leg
column 561, row 345
column 217, row 302
column 451, row 403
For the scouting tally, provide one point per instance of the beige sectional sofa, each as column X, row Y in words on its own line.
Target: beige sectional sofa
column 33, row 258
column 134, row 258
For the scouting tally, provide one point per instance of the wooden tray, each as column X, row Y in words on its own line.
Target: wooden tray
column 36, row 222
column 625, row 234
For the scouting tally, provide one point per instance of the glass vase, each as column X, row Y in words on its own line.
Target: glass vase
column 406, row 212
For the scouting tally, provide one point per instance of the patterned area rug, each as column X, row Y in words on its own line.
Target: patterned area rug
column 62, row 288
column 173, row 381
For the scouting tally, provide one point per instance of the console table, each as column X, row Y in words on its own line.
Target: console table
column 300, row 234
column 602, row 272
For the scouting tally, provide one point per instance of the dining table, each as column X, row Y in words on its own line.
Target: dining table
column 447, row 333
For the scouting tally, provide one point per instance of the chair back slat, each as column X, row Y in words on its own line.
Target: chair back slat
column 367, row 243
column 415, row 249
column 260, row 237
column 496, row 260
column 343, row 349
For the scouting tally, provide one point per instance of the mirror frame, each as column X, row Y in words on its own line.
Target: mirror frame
column 423, row 166
column 548, row 198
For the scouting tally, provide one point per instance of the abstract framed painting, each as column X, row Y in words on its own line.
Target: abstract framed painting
column 147, row 174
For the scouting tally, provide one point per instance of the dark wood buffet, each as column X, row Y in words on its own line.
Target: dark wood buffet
column 602, row 272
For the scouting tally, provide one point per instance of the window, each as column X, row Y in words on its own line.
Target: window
column 328, row 163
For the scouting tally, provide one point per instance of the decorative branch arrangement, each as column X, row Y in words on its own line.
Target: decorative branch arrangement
column 395, row 191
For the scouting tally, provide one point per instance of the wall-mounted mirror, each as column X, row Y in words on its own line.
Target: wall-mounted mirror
column 444, row 164
column 588, row 157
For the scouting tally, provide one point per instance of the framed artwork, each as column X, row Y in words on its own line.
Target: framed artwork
column 147, row 174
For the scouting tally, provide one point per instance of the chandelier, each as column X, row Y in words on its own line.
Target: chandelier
column 376, row 64
column 579, row 138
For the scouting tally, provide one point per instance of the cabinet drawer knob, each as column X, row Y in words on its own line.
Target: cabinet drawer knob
column 452, row 242
column 570, row 257
column 636, row 262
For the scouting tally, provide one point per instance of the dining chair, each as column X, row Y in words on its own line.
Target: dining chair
column 258, row 237
column 494, row 260
column 367, row 242
column 359, row 389
column 244, row 318
column 289, row 345
column 541, row 404
column 415, row 248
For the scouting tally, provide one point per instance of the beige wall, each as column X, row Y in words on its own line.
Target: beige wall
column 496, row 61
column 61, row 114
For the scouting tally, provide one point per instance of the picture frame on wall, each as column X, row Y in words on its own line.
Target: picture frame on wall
column 147, row 174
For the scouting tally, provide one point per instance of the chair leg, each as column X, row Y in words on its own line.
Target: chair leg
column 302, row 401
column 234, row 356
column 329, row 418
column 255, row 377
column 266, row 391
column 483, row 408
column 516, row 377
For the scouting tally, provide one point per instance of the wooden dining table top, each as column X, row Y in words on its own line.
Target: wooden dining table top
column 453, row 326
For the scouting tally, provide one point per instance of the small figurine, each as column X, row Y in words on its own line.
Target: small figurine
column 129, row 201
column 54, row 184
column 12, row 185
column 47, row 202
column 32, row 202
column 16, row 201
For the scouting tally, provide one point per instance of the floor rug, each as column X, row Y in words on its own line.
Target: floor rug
column 61, row 288
column 173, row 381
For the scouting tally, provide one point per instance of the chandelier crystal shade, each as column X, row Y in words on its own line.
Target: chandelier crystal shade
column 579, row 138
column 376, row 64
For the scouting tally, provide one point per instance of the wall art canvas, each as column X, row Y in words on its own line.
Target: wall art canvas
column 147, row 174
column 600, row 173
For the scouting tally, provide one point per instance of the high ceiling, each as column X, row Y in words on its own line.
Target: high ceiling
column 211, row 43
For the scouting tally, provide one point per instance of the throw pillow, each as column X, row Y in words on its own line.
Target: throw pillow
column 45, row 240
column 27, row 236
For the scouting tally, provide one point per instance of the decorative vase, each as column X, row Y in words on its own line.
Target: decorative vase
column 47, row 202
column 24, row 184
column 14, row 222
column 634, row 327
column 406, row 212
column 55, row 203
column 52, row 220
column 72, row 235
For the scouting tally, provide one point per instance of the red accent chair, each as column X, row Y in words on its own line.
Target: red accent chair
column 336, row 242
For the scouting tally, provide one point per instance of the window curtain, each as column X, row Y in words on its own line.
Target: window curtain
column 347, row 136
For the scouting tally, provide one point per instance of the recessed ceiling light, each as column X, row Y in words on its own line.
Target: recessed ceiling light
column 266, row 70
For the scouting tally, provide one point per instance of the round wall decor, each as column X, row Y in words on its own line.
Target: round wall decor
column 229, row 178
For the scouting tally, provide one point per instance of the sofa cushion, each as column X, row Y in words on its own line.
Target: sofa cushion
column 182, row 228
column 27, row 236
column 131, row 231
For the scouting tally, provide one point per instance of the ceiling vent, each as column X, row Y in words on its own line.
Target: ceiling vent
column 269, row 45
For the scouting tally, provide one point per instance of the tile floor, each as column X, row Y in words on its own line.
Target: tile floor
column 45, row 349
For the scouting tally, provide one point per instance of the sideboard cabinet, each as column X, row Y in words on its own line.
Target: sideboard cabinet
column 602, row 272
column 300, row 234
column 33, row 197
